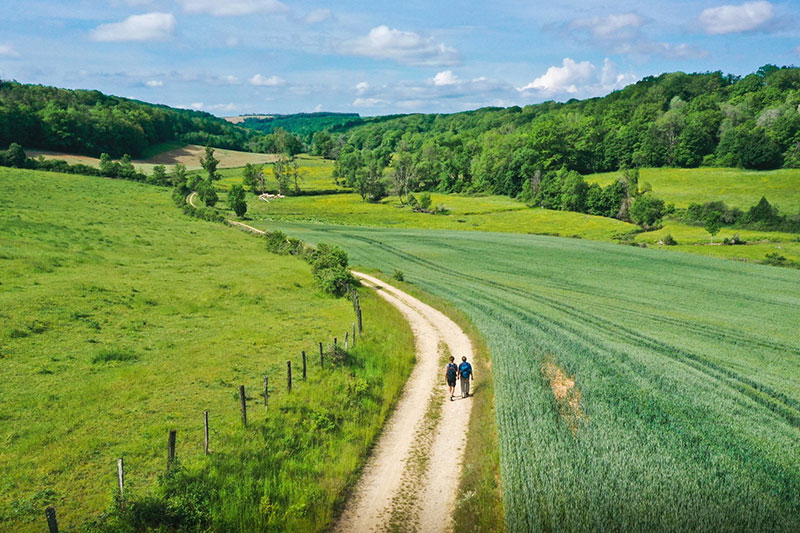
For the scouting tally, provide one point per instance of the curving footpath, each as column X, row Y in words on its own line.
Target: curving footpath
column 410, row 482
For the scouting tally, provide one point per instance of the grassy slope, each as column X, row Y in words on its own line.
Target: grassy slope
column 736, row 187
column 482, row 213
column 687, row 367
column 92, row 266
column 315, row 172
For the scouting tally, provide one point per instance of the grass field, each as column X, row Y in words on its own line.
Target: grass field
column 685, row 410
column 315, row 172
column 121, row 318
column 481, row 213
column 736, row 187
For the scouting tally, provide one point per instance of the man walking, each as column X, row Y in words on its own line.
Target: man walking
column 465, row 374
column 450, row 375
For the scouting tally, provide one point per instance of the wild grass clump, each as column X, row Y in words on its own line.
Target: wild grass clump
column 109, row 355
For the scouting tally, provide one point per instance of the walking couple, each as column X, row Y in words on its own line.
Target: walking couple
column 462, row 372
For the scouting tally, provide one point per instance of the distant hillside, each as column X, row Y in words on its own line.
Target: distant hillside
column 673, row 120
column 301, row 124
column 90, row 122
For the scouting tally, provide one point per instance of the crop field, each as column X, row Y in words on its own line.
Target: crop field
column 736, row 187
column 635, row 389
column 168, row 154
column 121, row 318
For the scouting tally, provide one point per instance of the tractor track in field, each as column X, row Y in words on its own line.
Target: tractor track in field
column 410, row 482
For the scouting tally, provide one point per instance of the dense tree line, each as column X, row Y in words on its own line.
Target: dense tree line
column 303, row 125
column 676, row 119
column 91, row 123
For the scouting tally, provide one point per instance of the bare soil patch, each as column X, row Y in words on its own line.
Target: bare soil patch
column 568, row 397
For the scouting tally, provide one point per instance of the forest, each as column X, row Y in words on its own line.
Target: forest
column 673, row 120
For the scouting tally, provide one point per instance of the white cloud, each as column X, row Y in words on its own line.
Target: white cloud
column 318, row 15
column 318, row 108
column 404, row 47
column 147, row 27
column 612, row 26
column 196, row 105
column 735, row 18
column 367, row 102
column 446, row 77
column 232, row 80
column 263, row 81
column 565, row 78
column 7, row 50
column 231, row 42
column 579, row 79
column 222, row 107
column 227, row 8
column 362, row 87
column 154, row 83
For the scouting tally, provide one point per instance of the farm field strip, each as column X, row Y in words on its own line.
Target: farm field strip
column 686, row 366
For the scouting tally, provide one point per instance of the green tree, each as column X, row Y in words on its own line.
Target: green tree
column 236, row 200
column 253, row 177
column 647, row 211
column 713, row 223
column 158, row 176
column 207, row 192
column 178, row 176
column 402, row 171
column 126, row 168
column 209, row 164
column 15, row 156
column 369, row 178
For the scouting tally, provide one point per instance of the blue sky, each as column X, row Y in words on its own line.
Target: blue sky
column 232, row 57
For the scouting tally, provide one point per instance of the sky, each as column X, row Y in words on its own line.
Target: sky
column 232, row 57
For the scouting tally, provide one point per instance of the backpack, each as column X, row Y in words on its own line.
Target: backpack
column 466, row 369
column 452, row 369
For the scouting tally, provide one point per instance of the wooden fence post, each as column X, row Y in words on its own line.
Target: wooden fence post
column 321, row 357
column 50, row 513
column 335, row 340
column 354, row 334
column 360, row 327
column 266, row 393
column 346, row 339
column 243, row 404
column 171, row 447
column 121, row 481
column 205, row 432
column 304, row 365
column 289, row 375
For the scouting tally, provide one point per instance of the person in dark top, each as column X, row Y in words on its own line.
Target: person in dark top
column 450, row 375
column 465, row 375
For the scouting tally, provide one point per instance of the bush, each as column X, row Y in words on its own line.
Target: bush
column 398, row 275
column 329, row 267
column 425, row 201
column 114, row 354
column 669, row 240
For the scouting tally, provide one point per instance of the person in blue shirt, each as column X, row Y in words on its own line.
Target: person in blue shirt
column 465, row 374
column 450, row 375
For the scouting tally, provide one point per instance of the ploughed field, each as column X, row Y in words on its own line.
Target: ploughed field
column 635, row 389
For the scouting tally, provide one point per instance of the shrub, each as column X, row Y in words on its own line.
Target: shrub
column 329, row 267
column 114, row 354
column 669, row 240
column 398, row 275
column 425, row 201
column 277, row 242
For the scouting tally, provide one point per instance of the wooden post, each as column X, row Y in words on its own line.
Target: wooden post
column 121, row 481
column 334, row 344
column 171, row 448
column 205, row 432
column 346, row 339
column 50, row 513
column 354, row 334
column 289, row 375
column 304, row 365
column 243, row 404
column 266, row 393
column 360, row 327
column 321, row 357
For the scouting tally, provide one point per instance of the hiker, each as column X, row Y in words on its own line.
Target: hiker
column 465, row 374
column 450, row 375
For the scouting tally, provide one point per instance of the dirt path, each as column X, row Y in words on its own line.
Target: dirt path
column 410, row 482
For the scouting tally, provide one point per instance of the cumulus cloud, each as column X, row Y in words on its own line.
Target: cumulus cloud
column 579, row 79
column 404, row 47
column 318, row 108
column 613, row 26
column 263, row 81
column 316, row 16
column 367, row 102
column 154, row 83
column 229, row 8
column 362, row 87
column 446, row 77
column 7, row 50
column 148, row 27
column 736, row 18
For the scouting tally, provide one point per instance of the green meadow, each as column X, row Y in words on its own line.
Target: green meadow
column 315, row 176
column 734, row 186
column 685, row 412
column 121, row 319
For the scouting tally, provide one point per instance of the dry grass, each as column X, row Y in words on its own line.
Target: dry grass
column 567, row 396
column 189, row 155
